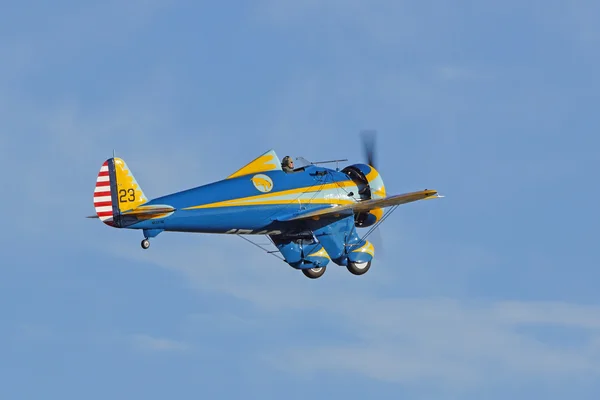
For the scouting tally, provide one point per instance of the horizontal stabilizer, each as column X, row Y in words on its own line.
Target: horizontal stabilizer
column 149, row 210
column 145, row 211
column 367, row 205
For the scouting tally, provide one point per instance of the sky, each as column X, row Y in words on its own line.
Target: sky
column 490, row 292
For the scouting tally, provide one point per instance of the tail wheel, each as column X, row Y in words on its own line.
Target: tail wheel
column 145, row 244
column 314, row 273
column 358, row 268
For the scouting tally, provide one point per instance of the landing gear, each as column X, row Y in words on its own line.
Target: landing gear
column 314, row 273
column 358, row 268
column 149, row 234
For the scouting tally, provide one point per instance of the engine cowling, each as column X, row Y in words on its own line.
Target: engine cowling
column 370, row 186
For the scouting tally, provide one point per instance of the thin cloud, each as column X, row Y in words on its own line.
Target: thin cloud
column 462, row 343
column 150, row 343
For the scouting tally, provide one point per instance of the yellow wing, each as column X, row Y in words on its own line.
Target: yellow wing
column 367, row 205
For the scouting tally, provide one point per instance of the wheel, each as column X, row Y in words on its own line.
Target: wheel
column 314, row 273
column 358, row 268
column 145, row 244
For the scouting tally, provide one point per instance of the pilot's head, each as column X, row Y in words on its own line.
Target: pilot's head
column 287, row 162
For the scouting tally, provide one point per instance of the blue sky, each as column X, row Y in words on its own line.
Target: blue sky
column 489, row 293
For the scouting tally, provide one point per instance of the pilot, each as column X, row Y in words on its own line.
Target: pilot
column 287, row 164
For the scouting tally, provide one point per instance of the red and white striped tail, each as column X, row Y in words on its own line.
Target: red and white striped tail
column 103, row 196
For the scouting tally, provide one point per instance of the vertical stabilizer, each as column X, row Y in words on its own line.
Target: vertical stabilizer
column 116, row 191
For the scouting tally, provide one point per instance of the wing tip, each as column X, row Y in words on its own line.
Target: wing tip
column 432, row 194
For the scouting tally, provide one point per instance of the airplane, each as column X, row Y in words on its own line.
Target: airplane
column 310, row 214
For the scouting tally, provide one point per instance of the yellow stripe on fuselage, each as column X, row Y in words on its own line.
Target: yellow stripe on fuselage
column 271, row 198
column 274, row 202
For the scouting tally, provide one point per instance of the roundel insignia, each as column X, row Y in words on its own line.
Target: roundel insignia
column 262, row 182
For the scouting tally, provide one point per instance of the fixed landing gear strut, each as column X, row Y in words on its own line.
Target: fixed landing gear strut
column 149, row 233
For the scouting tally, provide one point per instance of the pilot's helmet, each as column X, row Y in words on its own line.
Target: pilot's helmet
column 287, row 160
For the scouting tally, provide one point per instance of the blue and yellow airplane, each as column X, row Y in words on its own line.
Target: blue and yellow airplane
column 310, row 214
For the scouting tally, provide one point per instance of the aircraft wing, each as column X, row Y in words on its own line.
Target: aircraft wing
column 366, row 205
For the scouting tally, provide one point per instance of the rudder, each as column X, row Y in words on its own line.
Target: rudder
column 116, row 191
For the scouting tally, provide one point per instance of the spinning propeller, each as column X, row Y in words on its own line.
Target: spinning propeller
column 368, row 142
column 368, row 138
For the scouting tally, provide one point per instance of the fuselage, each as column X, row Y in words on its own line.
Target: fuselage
column 250, row 204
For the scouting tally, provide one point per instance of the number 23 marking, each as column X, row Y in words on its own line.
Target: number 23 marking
column 123, row 193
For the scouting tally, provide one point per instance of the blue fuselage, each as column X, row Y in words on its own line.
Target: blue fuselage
column 250, row 204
